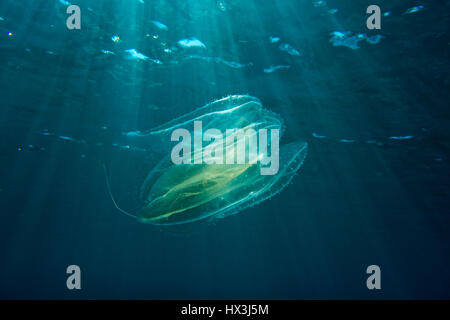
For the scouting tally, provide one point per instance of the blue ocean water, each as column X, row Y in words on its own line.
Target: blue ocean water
column 371, row 104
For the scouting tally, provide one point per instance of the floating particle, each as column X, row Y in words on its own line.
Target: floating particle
column 333, row 11
column 387, row 13
column 160, row 25
column 346, row 141
column 319, row 3
column 115, row 39
column 1, row 19
column 362, row 36
column 222, row 5
column 153, row 107
column 83, row 156
column 10, row 34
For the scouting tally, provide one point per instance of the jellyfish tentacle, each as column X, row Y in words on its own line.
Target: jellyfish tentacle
column 108, row 185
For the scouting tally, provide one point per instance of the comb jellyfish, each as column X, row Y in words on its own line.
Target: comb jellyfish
column 173, row 194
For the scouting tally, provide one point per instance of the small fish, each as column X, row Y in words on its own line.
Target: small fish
column 134, row 55
column 274, row 39
column 315, row 135
column 133, row 134
column 401, row 137
column 346, row 39
column 374, row 39
column 65, row 3
column 414, row 9
column 108, row 52
column 231, row 64
column 275, row 68
column 160, row 25
column 289, row 49
column 66, row 138
column 191, row 43
column 338, row 34
column 157, row 61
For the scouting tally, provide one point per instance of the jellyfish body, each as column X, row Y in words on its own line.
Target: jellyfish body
column 174, row 194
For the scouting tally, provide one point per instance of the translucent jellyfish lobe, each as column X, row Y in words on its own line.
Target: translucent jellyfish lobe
column 173, row 194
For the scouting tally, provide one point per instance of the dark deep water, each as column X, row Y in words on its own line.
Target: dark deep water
column 374, row 188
